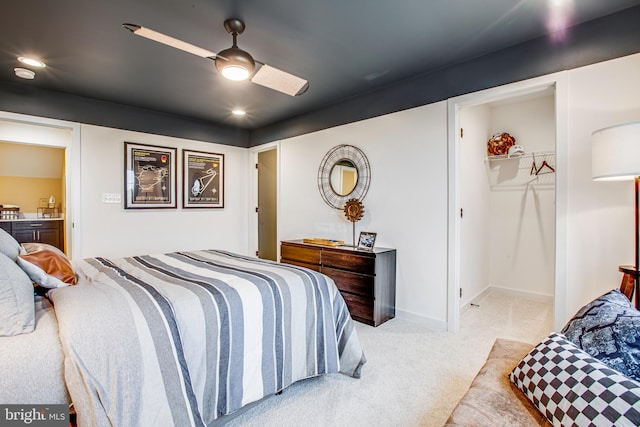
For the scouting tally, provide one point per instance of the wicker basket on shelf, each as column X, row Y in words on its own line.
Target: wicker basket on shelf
column 9, row 212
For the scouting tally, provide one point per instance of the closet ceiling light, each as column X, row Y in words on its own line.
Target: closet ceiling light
column 238, row 112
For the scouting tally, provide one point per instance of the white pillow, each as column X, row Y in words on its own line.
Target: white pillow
column 8, row 245
column 17, row 309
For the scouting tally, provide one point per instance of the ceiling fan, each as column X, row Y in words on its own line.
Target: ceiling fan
column 233, row 63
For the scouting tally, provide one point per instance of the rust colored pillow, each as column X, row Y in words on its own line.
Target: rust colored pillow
column 46, row 265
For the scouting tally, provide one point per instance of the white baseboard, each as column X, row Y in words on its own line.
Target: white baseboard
column 486, row 291
column 534, row 296
column 431, row 323
column 491, row 289
column 441, row 325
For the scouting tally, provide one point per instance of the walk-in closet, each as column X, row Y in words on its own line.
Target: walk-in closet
column 507, row 230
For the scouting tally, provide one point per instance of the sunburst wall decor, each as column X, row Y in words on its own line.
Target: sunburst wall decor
column 354, row 211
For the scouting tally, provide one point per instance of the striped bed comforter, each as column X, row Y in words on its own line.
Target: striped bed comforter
column 181, row 339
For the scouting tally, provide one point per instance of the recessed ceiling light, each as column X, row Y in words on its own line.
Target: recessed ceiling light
column 31, row 61
column 238, row 112
column 23, row 73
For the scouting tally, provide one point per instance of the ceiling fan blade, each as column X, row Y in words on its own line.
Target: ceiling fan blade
column 279, row 80
column 168, row 40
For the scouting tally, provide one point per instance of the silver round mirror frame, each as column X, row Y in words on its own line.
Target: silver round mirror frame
column 335, row 155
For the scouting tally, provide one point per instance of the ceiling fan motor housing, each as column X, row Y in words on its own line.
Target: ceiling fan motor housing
column 235, row 63
column 234, row 57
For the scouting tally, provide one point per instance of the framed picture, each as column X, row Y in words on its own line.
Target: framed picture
column 203, row 182
column 149, row 176
column 366, row 240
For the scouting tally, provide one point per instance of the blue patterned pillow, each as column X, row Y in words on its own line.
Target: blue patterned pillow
column 608, row 328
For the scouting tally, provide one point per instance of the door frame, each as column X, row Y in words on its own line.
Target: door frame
column 72, row 212
column 253, row 194
column 454, row 105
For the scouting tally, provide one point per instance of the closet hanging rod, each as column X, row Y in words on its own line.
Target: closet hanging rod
column 542, row 154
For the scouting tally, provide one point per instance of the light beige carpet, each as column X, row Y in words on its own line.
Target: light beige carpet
column 413, row 376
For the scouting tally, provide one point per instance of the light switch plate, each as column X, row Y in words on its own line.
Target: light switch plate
column 111, row 198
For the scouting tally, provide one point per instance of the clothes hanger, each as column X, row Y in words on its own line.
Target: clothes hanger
column 545, row 165
column 535, row 170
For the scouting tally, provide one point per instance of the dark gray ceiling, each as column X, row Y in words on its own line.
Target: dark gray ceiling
column 342, row 47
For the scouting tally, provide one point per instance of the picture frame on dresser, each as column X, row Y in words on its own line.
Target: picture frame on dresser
column 367, row 240
column 203, row 181
column 149, row 176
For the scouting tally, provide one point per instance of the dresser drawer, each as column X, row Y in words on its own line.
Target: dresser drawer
column 314, row 267
column 349, row 261
column 361, row 284
column 290, row 253
column 361, row 308
column 6, row 226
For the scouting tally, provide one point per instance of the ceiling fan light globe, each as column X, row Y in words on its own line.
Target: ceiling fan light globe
column 235, row 72
column 235, row 64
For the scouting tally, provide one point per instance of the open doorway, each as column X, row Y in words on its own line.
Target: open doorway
column 506, row 221
column 507, row 230
column 267, row 208
column 32, row 185
column 38, row 133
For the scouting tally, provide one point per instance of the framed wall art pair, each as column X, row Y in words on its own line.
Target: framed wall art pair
column 151, row 182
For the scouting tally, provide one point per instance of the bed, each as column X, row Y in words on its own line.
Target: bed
column 31, row 364
column 187, row 338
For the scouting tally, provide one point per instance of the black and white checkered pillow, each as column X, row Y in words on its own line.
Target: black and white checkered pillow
column 569, row 387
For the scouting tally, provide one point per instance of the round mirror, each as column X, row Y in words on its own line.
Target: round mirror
column 343, row 177
column 344, row 174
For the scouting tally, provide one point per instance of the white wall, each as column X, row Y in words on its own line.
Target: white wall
column 110, row 230
column 406, row 203
column 600, row 232
column 476, row 202
column 47, row 135
column 522, row 236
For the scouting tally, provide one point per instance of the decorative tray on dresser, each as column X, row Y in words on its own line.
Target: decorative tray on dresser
column 366, row 279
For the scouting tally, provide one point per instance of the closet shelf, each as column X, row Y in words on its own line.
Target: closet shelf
column 536, row 168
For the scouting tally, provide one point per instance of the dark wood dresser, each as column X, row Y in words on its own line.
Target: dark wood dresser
column 366, row 279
